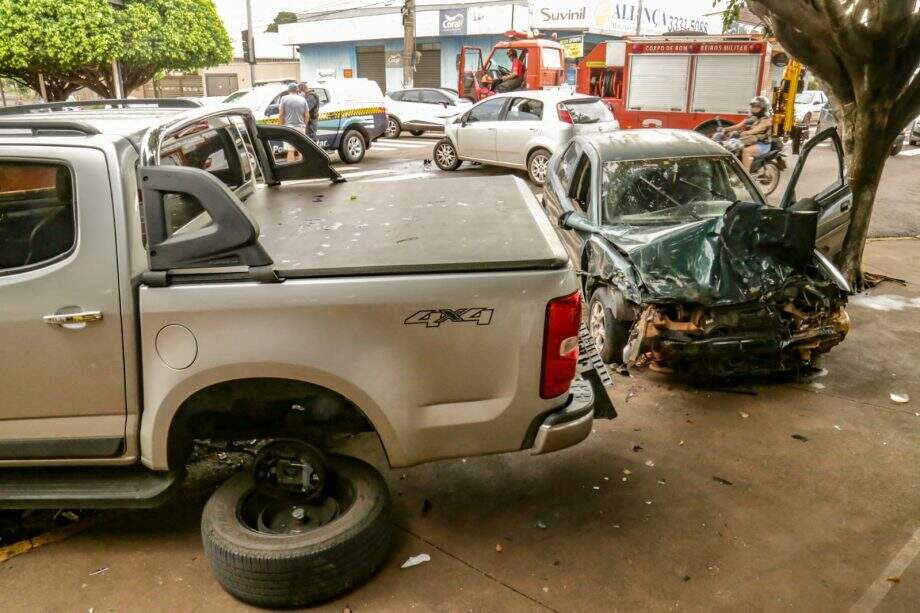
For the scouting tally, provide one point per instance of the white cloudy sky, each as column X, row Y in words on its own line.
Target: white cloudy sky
column 233, row 12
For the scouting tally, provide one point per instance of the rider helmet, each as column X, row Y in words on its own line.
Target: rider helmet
column 762, row 103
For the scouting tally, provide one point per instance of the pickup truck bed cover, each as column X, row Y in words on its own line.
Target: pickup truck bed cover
column 317, row 229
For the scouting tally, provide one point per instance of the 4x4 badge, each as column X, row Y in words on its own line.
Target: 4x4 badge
column 432, row 318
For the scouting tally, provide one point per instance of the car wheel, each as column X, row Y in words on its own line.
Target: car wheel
column 538, row 166
column 768, row 178
column 276, row 552
column 608, row 333
column 417, row 132
column 445, row 155
column 393, row 128
column 352, row 149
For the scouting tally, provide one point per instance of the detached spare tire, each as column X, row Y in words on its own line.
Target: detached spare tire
column 279, row 552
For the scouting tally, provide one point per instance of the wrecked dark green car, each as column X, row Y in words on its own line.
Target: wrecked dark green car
column 685, row 265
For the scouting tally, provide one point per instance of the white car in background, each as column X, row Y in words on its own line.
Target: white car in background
column 521, row 129
column 421, row 109
column 808, row 105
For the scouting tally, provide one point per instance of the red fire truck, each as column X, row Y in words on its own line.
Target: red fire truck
column 543, row 65
column 689, row 82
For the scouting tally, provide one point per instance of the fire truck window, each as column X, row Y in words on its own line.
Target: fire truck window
column 552, row 58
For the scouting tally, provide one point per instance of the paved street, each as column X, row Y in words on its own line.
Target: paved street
column 696, row 499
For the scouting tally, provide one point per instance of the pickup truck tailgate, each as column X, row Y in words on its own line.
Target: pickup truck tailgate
column 317, row 229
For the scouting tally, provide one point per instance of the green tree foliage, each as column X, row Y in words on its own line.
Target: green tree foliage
column 867, row 53
column 56, row 39
column 281, row 18
column 72, row 43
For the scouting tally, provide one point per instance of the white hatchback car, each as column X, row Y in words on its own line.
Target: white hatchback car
column 521, row 129
column 421, row 109
column 808, row 105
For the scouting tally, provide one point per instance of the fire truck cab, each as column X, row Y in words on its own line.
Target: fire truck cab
column 543, row 63
column 688, row 82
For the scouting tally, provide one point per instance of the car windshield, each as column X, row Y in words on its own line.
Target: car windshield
column 256, row 98
column 805, row 98
column 671, row 191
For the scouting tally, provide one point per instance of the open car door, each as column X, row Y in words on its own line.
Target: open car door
column 469, row 67
column 819, row 182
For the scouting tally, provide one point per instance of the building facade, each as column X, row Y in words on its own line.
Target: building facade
column 368, row 42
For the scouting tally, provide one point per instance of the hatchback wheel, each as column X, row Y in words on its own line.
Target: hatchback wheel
column 352, row 149
column 393, row 128
column 537, row 166
column 445, row 155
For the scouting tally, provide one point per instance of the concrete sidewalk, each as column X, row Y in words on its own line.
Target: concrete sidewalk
column 692, row 499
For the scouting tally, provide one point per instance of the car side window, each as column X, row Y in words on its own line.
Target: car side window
column 525, row 109
column 411, row 95
column 322, row 95
column 433, row 97
column 580, row 192
column 37, row 221
column 489, row 110
column 397, row 96
column 566, row 168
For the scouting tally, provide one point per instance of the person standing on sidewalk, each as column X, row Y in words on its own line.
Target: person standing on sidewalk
column 294, row 113
column 312, row 110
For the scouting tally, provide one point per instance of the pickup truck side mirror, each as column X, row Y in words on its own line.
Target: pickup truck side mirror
column 272, row 110
column 230, row 239
column 572, row 220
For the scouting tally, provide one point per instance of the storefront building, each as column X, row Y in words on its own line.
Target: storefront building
column 368, row 42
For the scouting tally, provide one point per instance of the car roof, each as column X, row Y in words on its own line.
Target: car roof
column 130, row 123
column 550, row 95
column 650, row 144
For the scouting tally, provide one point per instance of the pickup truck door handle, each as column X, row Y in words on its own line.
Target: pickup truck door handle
column 75, row 320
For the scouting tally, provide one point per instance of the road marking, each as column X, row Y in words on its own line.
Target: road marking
column 423, row 141
column 407, row 177
column 366, row 173
column 346, row 168
column 878, row 590
column 910, row 152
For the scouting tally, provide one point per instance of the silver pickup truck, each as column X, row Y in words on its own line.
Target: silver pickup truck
column 164, row 279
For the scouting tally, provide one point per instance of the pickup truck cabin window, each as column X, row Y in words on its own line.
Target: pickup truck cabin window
column 36, row 213
column 214, row 146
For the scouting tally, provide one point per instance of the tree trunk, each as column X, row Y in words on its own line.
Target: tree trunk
column 866, row 141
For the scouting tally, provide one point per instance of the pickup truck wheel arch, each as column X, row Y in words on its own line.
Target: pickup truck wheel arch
column 261, row 408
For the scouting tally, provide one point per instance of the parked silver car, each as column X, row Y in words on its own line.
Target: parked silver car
column 521, row 129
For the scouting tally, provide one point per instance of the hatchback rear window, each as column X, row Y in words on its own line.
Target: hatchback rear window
column 588, row 111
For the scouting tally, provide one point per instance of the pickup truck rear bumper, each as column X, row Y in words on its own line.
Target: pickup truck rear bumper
column 569, row 425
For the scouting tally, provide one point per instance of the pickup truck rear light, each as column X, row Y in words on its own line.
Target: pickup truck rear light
column 560, row 345
column 564, row 115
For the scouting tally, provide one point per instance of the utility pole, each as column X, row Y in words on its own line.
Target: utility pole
column 639, row 20
column 250, row 45
column 408, row 15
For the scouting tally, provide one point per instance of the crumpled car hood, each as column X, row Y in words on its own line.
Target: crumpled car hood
column 748, row 254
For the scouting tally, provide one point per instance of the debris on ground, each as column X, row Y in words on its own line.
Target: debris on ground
column 637, row 448
column 626, row 471
column 893, row 579
column 817, row 386
column 836, row 427
column 596, row 487
column 662, row 482
column 630, row 394
column 499, row 548
column 541, row 525
column 426, row 506
column 416, row 560
column 722, row 481
column 899, row 398
column 650, row 463
column 800, row 437
column 743, row 414
column 99, row 571
column 353, row 197
column 686, row 578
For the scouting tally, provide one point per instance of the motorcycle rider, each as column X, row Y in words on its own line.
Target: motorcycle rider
column 755, row 131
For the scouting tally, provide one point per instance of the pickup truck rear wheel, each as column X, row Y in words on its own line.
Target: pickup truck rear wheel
column 445, row 155
column 353, row 147
column 277, row 551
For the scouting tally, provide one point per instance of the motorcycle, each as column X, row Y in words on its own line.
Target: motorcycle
column 766, row 168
